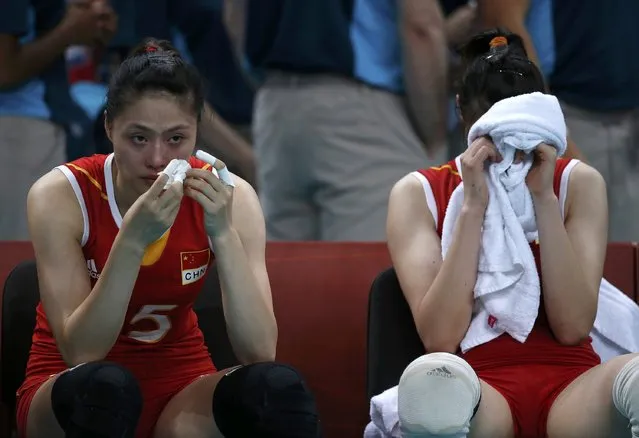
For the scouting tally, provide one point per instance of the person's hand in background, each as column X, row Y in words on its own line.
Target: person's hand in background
column 89, row 22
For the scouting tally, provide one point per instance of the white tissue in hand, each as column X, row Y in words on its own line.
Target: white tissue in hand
column 176, row 170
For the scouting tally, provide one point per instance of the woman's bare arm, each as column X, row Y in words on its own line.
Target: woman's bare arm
column 85, row 322
column 573, row 255
column 439, row 293
column 246, row 290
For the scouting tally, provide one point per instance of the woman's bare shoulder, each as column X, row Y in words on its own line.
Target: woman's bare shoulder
column 585, row 178
column 51, row 200
column 586, row 192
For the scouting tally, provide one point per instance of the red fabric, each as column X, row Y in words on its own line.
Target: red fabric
column 530, row 391
column 161, row 326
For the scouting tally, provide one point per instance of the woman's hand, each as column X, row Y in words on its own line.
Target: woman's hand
column 473, row 163
column 153, row 213
column 541, row 175
column 215, row 197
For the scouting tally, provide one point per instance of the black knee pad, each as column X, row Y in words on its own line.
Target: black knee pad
column 266, row 400
column 97, row 400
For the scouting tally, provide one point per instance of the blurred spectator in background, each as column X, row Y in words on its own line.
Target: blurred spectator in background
column 353, row 95
column 40, row 125
column 596, row 78
column 196, row 28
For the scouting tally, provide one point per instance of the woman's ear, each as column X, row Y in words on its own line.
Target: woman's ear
column 458, row 108
column 107, row 127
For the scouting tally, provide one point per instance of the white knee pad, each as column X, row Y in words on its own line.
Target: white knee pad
column 625, row 393
column 437, row 396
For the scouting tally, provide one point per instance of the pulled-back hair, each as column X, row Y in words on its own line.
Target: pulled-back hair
column 496, row 66
column 156, row 66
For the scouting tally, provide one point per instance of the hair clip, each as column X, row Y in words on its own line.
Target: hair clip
column 511, row 71
column 151, row 49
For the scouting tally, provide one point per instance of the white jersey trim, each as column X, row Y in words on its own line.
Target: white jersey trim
column 80, row 197
column 430, row 196
column 563, row 188
column 108, row 179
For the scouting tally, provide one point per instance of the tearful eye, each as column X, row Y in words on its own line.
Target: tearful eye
column 138, row 139
column 176, row 139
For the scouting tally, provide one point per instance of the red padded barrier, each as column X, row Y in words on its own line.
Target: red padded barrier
column 320, row 291
column 620, row 267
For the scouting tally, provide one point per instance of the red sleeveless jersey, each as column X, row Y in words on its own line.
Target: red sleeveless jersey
column 160, row 335
column 541, row 345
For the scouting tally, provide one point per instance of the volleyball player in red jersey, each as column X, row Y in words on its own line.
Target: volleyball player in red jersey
column 117, row 352
column 552, row 384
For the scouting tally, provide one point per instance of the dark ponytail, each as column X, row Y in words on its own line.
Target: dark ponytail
column 496, row 67
column 154, row 65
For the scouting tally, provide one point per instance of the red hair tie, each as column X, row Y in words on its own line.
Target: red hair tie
column 151, row 49
column 498, row 42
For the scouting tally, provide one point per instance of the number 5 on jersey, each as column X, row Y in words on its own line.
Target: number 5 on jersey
column 149, row 312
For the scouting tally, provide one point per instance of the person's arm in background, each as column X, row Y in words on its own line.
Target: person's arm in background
column 234, row 16
column 85, row 23
column 511, row 14
column 425, row 54
column 461, row 24
column 235, row 23
column 221, row 140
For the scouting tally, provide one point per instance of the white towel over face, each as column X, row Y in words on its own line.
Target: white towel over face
column 507, row 292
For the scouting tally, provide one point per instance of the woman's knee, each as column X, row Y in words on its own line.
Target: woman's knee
column 458, row 402
column 625, row 387
column 493, row 418
column 267, row 400
column 97, row 397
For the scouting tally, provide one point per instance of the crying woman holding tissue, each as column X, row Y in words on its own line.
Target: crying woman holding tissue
column 123, row 243
column 500, row 255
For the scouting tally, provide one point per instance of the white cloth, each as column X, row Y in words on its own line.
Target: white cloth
column 176, row 170
column 616, row 328
column 507, row 291
column 615, row 332
column 384, row 416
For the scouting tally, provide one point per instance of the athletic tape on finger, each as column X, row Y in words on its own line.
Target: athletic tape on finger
column 223, row 173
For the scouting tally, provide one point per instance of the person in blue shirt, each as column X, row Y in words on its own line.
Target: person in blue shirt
column 38, row 118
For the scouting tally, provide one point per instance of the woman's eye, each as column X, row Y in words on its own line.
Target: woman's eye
column 138, row 139
column 175, row 139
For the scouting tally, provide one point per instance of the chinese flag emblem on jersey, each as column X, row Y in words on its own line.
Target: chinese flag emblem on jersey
column 194, row 265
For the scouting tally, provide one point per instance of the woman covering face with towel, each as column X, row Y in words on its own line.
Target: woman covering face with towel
column 551, row 382
column 123, row 243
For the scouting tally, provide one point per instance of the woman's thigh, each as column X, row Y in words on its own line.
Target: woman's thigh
column 493, row 418
column 41, row 421
column 585, row 407
column 190, row 411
